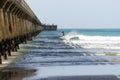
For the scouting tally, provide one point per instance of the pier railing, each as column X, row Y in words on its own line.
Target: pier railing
column 18, row 24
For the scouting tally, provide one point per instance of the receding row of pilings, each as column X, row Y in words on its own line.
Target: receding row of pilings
column 49, row 27
column 17, row 25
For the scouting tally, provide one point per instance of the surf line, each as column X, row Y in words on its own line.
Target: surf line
column 68, row 40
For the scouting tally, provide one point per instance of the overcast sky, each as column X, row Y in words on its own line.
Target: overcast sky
column 78, row 13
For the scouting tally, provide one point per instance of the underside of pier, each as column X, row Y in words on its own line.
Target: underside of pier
column 18, row 24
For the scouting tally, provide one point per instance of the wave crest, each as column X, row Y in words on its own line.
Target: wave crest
column 85, row 41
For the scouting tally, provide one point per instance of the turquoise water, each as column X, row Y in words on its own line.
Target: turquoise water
column 93, row 32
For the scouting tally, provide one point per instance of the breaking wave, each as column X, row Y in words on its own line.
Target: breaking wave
column 86, row 41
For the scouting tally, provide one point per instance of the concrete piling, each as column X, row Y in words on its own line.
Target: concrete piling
column 18, row 24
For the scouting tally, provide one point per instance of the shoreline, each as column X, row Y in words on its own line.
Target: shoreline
column 73, row 72
column 12, row 58
column 102, row 77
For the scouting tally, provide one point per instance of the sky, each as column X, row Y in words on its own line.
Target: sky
column 78, row 13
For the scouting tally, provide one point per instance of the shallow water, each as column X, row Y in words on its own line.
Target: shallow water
column 49, row 49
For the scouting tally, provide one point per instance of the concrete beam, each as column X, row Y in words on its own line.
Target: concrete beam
column 2, row 3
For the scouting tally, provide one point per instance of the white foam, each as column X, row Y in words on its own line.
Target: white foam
column 100, row 42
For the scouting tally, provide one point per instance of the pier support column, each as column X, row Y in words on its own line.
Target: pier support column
column 0, row 52
column 0, row 58
column 5, row 55
column 1, row 24
column 9, row 53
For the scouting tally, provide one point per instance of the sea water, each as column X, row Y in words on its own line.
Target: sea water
column 78, row 47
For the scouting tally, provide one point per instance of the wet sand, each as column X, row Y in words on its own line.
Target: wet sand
column 15, row 73
column 10, row 59
column 14, row 55
column 98, row 72
column 104, row 77
column 25, row 74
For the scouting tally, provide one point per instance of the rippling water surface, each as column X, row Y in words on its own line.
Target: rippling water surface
column 49, row 48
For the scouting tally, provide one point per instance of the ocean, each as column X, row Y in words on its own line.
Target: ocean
column 78, row 47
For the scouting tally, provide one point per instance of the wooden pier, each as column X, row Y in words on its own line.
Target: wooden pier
column 18, row 24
